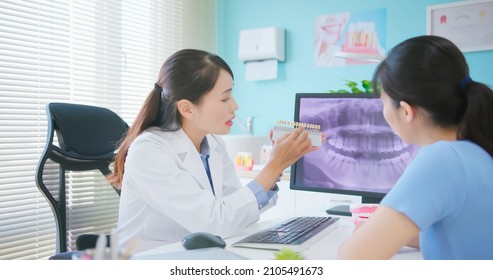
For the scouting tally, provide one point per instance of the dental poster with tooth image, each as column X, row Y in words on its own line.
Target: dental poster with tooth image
column 349, row 32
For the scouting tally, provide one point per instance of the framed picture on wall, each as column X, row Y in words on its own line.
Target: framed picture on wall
column 468, row 24
column 350, row 38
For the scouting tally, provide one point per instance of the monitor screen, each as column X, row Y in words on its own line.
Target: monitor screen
column 361, row 155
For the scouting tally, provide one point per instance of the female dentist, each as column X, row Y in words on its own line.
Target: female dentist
column 175, row 175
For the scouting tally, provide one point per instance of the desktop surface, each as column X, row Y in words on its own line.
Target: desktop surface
column 324, row 249
column 291, row 203
column 213, row 253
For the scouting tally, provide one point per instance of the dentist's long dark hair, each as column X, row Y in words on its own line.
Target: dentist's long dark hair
column 430, row 72
column 187, row 74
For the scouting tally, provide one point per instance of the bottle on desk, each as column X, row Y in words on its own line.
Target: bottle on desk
column 265, row 152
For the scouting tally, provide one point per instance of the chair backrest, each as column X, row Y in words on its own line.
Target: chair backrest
column 79, row 138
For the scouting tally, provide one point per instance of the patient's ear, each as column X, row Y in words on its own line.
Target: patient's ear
column 408, row 112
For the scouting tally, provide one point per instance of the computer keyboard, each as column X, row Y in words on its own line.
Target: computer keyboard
column 297, row 233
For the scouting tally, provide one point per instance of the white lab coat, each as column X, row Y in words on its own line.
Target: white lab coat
column 166, row 193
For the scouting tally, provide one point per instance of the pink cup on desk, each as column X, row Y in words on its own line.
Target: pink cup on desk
column 362, row 212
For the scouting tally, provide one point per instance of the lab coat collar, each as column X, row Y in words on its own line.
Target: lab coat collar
column 192, row 162
column 216, row 164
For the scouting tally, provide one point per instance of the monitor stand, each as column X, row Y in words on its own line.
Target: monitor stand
column 343, row 210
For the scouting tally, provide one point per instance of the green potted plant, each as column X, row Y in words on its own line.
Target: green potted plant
column 353, row 87
column 288, row 254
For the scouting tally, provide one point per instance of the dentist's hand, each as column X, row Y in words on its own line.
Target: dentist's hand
column 291, row 147
column 285, row 151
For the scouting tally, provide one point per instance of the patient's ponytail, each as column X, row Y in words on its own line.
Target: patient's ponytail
column 477, row 123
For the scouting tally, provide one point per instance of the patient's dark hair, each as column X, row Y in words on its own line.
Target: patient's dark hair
column 187, row 74
column 430, row 72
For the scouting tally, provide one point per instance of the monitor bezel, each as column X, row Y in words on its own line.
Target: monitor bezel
column 367, row 197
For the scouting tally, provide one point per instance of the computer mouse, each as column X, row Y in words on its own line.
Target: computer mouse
column 200, row 240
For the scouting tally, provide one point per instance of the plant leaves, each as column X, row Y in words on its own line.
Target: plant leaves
column 353, row 87
column 288, row 254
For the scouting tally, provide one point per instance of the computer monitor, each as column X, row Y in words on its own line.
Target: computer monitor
column 361, row 155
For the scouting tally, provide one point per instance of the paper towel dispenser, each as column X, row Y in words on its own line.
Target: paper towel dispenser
column 262, row 44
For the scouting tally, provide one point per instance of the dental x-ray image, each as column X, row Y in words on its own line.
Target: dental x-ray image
column 361, row 153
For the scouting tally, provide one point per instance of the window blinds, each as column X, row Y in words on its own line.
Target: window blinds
column 104, row 53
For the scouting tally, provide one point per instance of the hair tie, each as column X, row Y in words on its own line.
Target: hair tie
column 158, row 87
column 463, row 84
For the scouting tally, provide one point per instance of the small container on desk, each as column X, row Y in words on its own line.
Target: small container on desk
column 244, row 161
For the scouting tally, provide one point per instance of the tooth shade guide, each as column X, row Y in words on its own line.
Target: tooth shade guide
column 286, row 127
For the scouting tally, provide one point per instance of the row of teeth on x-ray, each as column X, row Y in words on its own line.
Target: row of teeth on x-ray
column 359, row 143
column 366, row 165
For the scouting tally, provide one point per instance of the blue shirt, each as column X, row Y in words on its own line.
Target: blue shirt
column 447, row 191
column 261, row 196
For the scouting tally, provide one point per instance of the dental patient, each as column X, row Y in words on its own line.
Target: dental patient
column 439, row 201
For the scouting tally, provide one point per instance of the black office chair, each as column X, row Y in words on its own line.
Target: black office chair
column 87, row 137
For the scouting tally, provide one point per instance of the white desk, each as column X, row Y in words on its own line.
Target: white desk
column 324, row 249
column 294, row 203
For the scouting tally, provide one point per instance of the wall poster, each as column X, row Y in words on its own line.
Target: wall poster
column 469, row 24
column 349, row 34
